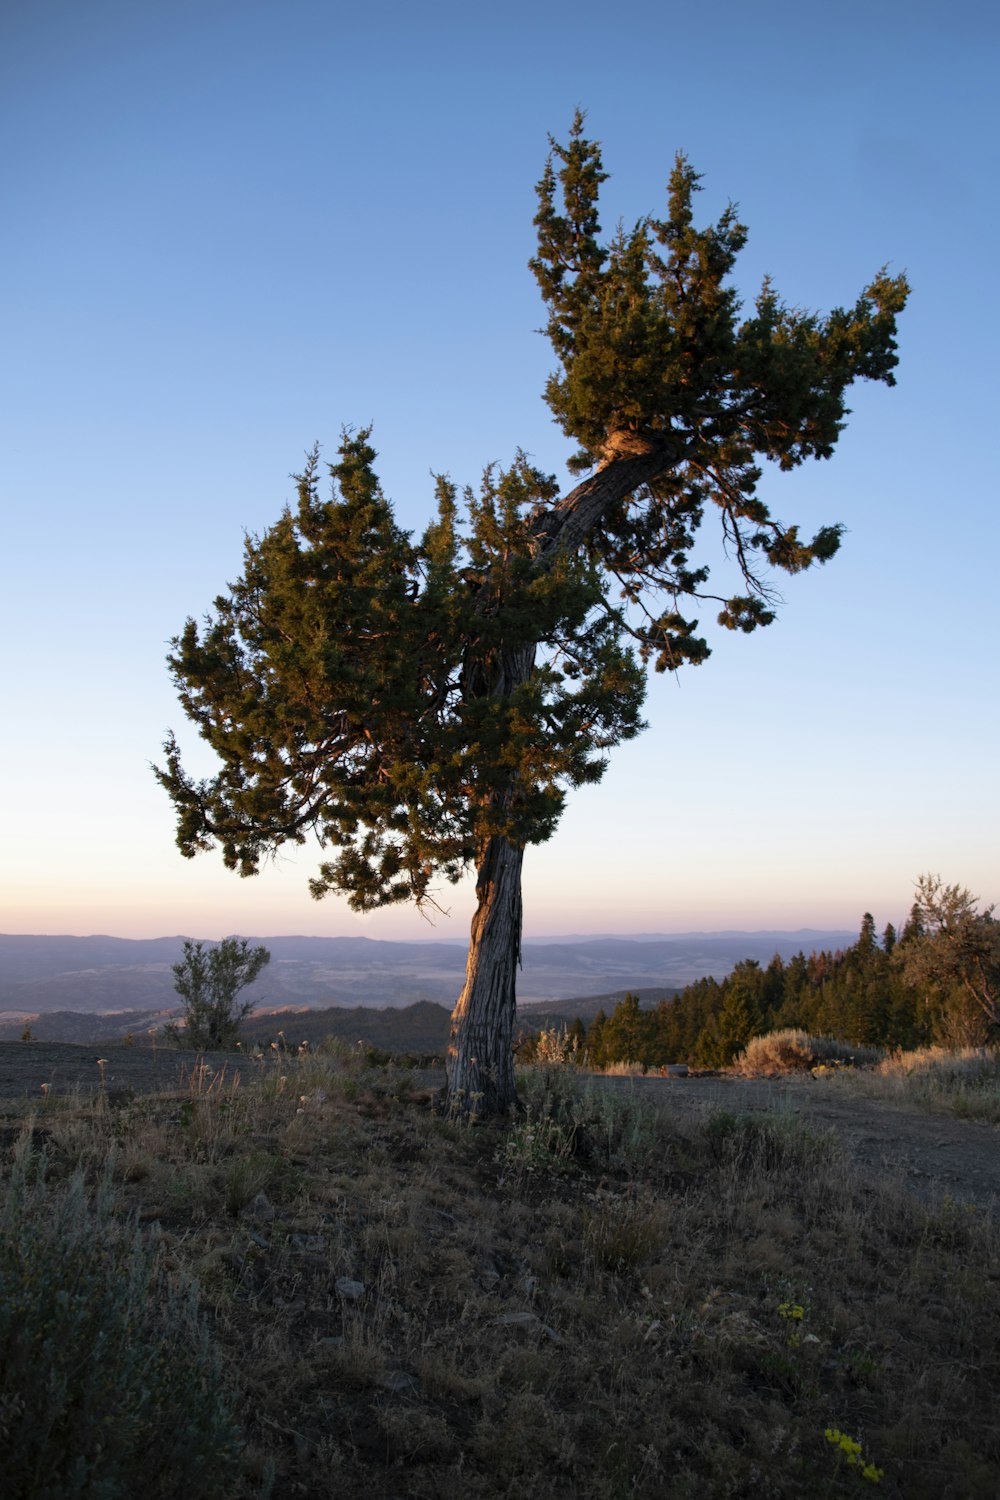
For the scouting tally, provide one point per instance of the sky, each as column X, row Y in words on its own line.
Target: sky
column 236, row 226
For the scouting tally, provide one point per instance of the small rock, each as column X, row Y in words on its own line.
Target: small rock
column 309, row 1244
column 260, row 1240
column 350, row 1291
column 516, row 1320
column 528, row 1321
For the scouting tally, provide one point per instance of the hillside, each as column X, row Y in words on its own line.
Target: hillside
column 39, row 974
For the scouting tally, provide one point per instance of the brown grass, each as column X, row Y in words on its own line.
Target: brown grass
column 594, row 1302
column 796, row 1051
column 963, row 1082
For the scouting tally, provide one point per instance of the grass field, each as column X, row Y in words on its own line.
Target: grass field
column 315, row 1284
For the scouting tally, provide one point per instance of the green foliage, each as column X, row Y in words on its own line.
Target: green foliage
column 208, row 981
column 937, row 982
column 564, row 1116
column 109, row 1385
column 363, row 688
column 955, row 955
column 407, row 701
column 654, row 357
column 765, row 1143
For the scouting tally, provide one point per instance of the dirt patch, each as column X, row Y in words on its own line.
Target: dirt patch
column 30, row 1069
column 930, row 1154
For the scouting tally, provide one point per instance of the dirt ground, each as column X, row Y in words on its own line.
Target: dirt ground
column 67, row 1068
column 932, row 1155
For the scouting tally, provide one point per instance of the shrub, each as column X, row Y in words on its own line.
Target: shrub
column 794, row 1051
column 614, row 1128
column 751, row 1144
column 208, row 982
column 947, row 1070
column 778, row 1052
column 109, row 1385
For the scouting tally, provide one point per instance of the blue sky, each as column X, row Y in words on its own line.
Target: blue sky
column 234, row 227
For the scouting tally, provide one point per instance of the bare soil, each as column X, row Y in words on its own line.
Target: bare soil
column 931, row 1154
column 69, row 1068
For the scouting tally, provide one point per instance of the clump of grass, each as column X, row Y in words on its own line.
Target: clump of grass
column 748, row 1144
column 622, row 1232
column 109, row 1385
column 796, row 1051
column 579, row 1116
column 963, row 1082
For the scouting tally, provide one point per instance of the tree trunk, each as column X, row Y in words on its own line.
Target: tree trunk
column 481, row 1046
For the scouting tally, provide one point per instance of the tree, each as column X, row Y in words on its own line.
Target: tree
column 424, row 706
column 208, row 981
column 953, row 946
column 627, row 1035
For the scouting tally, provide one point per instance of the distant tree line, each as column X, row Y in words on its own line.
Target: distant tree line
column 935, row 982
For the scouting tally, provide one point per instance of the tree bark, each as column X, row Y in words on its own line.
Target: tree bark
column 480, row 1048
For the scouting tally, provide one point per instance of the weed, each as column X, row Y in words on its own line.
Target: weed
column 109, row 1382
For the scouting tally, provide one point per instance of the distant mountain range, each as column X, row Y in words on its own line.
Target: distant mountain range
column 40, row 975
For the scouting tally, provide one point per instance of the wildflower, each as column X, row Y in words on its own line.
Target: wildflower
column 851, row 1450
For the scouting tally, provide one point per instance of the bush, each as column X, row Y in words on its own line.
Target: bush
column 109, row 1386
column 778, row 1052
column 569, row 1116
column 795, row 1051
column 752, row 1144
column 208, row 982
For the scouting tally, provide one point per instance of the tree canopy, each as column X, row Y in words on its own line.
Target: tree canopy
column 955, row 947
column 423, row 705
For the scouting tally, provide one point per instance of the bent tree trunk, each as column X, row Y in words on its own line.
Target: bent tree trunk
column 481, row 1046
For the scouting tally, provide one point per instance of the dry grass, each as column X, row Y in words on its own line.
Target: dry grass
column 795, row 1051
column 594, row 1302
column 964, row 1082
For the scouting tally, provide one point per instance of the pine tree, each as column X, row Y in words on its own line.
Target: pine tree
column 423, row 707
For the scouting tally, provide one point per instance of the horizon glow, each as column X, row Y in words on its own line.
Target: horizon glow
column 179, row 338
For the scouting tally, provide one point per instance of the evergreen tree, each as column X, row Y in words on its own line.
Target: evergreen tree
column 596, row 1055
column 576, row 1038
column 629, row 1033
column 424, row 706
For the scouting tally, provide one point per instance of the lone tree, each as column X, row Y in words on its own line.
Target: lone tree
column 955, row 947
column 423, row 706
column 209, row 981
